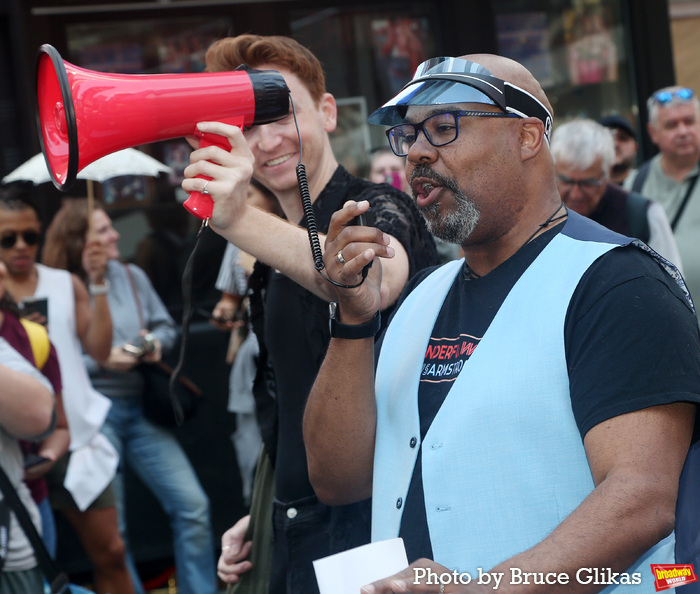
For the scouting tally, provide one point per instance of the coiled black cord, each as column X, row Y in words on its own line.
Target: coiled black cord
column 311, row 228
column 306, row 205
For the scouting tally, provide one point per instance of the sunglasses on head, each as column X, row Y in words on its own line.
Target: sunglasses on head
column 9, row 240
column 664, row 97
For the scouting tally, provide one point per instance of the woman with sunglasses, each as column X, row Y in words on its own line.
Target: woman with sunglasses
column 152, row 452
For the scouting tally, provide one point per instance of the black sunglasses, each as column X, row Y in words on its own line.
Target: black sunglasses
column 30, row 237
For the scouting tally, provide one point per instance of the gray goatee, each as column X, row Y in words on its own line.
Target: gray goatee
column 456, row 226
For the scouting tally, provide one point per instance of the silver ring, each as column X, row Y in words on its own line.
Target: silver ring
column 226, row 547
column 204, row 189
column 340, row 258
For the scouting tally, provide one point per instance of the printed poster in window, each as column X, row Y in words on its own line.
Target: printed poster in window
column 592, row 49
column 400, row 45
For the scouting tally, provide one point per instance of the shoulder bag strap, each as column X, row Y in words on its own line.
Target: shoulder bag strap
column 641, row 177
column 136, row 295
column 686, row 198
column 57, row 579
column 189, row 384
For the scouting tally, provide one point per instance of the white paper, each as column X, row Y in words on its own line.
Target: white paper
column 347, row 572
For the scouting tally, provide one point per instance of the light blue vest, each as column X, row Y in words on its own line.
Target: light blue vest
column 503, row 461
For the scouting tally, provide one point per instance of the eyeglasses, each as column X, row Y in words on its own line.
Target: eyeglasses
column 587, row 186
column 664, row 97
column 439, row 129
column 9, row 240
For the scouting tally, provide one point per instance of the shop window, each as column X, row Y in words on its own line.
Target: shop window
column 578, row 50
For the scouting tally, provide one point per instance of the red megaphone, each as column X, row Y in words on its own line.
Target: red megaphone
column 83, row 115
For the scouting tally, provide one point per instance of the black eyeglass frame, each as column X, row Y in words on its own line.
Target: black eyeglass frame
column 30, row 237
column 457, row 113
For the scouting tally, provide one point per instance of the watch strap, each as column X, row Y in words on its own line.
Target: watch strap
column 353, row 331
column 102, row 289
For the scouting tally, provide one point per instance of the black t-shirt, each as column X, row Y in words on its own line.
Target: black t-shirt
column 293, row 323
column 626, row 314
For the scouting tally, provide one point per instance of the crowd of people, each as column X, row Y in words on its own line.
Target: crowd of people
column 468, row 367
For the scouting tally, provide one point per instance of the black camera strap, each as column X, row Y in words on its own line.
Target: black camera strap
column 57, row 578
column 4, row 532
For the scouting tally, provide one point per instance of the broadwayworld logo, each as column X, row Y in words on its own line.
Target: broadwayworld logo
column 672, row 576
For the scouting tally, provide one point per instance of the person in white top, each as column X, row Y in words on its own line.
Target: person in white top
column 78, row 319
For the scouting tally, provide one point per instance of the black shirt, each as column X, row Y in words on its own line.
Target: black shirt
column 293, row 323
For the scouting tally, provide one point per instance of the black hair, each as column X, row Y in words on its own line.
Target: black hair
column 18, row 197
column 8, row 304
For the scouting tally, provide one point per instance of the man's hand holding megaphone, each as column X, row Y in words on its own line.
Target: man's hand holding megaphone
column 223, row 175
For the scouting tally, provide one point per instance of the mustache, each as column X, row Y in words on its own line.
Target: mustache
column 424, row 170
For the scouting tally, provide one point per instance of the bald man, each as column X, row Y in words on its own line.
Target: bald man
column 513, row 425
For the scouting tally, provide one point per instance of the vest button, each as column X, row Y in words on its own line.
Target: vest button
column 292, row 513
column 399, row 503
column 413, row 442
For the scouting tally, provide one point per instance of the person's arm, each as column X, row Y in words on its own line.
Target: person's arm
column 93, row 318
column 234, row 552
column 225, row 310
column 636, row 460
column 157, row 319
column 339, row 423
column 94, row 324
column 340, row 414
column 55, row 445
column 26, row 403
column 270, row 239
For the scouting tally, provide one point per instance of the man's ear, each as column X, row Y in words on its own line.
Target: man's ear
column 532, row 137
column 329, row 111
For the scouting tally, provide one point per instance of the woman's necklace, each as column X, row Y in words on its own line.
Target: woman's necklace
column 470, row 274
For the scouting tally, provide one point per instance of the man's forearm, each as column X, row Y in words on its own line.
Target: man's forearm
column 612, row 528
column 285, row 247
column 340, row 421
column 636, row 461
column 279, row 244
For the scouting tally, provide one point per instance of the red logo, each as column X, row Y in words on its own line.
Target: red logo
column 672, row 576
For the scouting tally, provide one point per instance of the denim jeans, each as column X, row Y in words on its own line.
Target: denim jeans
column 160, row 462
column 48, row 526
column 306, row 530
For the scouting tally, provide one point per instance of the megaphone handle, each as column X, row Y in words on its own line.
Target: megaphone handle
column 198, row 204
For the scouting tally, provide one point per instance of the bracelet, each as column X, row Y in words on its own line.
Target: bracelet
column 102, row 289
column 353, row 331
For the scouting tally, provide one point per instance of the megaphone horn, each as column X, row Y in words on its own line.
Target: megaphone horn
column 83, row 115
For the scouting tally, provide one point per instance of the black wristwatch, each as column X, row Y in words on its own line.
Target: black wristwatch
column 339, row 330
